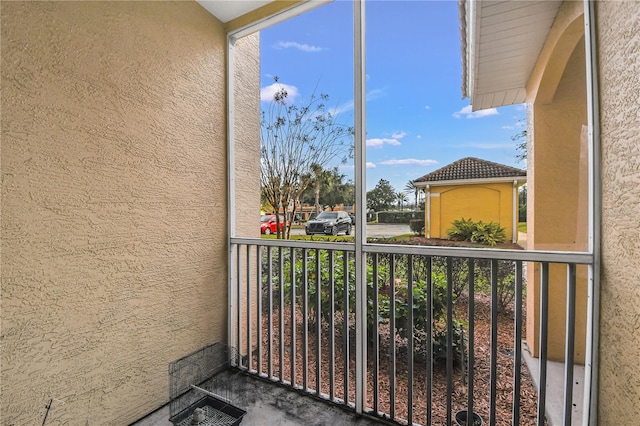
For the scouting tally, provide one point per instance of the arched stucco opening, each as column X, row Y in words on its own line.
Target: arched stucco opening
column 558, row 171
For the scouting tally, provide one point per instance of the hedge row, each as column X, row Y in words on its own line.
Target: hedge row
column 399, row 217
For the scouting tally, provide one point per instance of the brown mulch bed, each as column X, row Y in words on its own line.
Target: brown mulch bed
column 481, row 383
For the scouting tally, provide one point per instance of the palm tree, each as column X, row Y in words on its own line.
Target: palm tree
column 411, row 187
column 402, row 198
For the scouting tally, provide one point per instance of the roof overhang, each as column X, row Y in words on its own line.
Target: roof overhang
column 517, row 180
column 500, row 43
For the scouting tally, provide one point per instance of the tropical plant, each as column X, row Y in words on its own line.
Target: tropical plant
column 461, row 229
column 480, row 232
column 411, row 187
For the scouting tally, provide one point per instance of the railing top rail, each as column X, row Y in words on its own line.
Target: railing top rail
column 323, row 245
column 582, row 258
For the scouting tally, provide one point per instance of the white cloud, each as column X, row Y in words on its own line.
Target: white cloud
column 518, row 125
column 370, row 165
column 378, row 142
column 374, row 94
column 267, row 92
column 466, row 112
column 348, row 106
column 427, row 107
column 418, row 137
column 409, row 162
column 303, row 47
column 398, row 135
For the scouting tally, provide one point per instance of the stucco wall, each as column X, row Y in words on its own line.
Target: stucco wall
column 489, row 202
column 619, row 58
column 557, row 176
column 113, row 204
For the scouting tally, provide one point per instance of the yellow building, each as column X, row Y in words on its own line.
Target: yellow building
column 472, row 188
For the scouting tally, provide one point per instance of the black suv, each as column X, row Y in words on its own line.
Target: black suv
column 329, row 223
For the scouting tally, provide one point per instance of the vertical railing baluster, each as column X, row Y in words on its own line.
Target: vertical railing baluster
column 493, row 374
column 544, row 331
column 318, row 323
column 449, row 338
column 239, row 303
column 376, row 334
column 249, row 307
column 410, row 340
column 332, row 327
column 471, row 336
column 345, row 324
column 305, row 321
column 517, row 345
column 569, row 344
column 392, row 337
column 292, row 352
column 429, row 309
column 281, row 313
column 270, row 314
column 259, row 307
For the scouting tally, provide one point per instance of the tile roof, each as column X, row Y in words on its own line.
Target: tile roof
column 470, row 168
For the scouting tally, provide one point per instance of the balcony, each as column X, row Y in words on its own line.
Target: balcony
column 413, row 363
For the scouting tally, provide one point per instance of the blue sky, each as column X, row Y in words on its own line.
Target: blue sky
column 417, row 120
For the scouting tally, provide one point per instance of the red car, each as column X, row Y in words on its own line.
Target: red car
column 268, row 224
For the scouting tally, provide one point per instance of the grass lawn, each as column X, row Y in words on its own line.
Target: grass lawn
column 522, row 226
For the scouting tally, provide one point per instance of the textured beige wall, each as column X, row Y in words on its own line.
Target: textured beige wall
column 557, row 175
column 113, row 204
column 619, row 58
column 247, row 176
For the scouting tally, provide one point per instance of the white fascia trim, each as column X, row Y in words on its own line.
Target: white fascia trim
column 473, row 19
column 520, row 179
column 276, row 18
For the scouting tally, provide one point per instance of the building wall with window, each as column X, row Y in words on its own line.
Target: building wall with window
column 114, row 250
column 619, row 67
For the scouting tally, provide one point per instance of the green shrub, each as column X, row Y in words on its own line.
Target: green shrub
column 477, row 232
column 421, row 326
column 325, row 284
column 417, row 226
column 488, row 233
column 399, row 217
column 462, row 229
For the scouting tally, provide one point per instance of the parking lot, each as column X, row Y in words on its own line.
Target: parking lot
column 374, row 230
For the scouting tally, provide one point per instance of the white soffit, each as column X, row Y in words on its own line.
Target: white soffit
column 227, row 10
column 505, row 39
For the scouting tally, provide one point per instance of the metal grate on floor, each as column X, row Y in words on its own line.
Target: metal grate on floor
column 213, row 418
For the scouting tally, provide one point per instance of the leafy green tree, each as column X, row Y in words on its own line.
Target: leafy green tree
column 382, row 197
column 296, row 142
column 330, row 188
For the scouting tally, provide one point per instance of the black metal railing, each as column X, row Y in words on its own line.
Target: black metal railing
column 444, row 326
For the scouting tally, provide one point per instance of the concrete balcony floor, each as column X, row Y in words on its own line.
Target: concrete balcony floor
column 269, row 404
column 555, row 388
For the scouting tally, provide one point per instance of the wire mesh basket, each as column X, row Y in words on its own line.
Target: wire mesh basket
column 191, row 385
